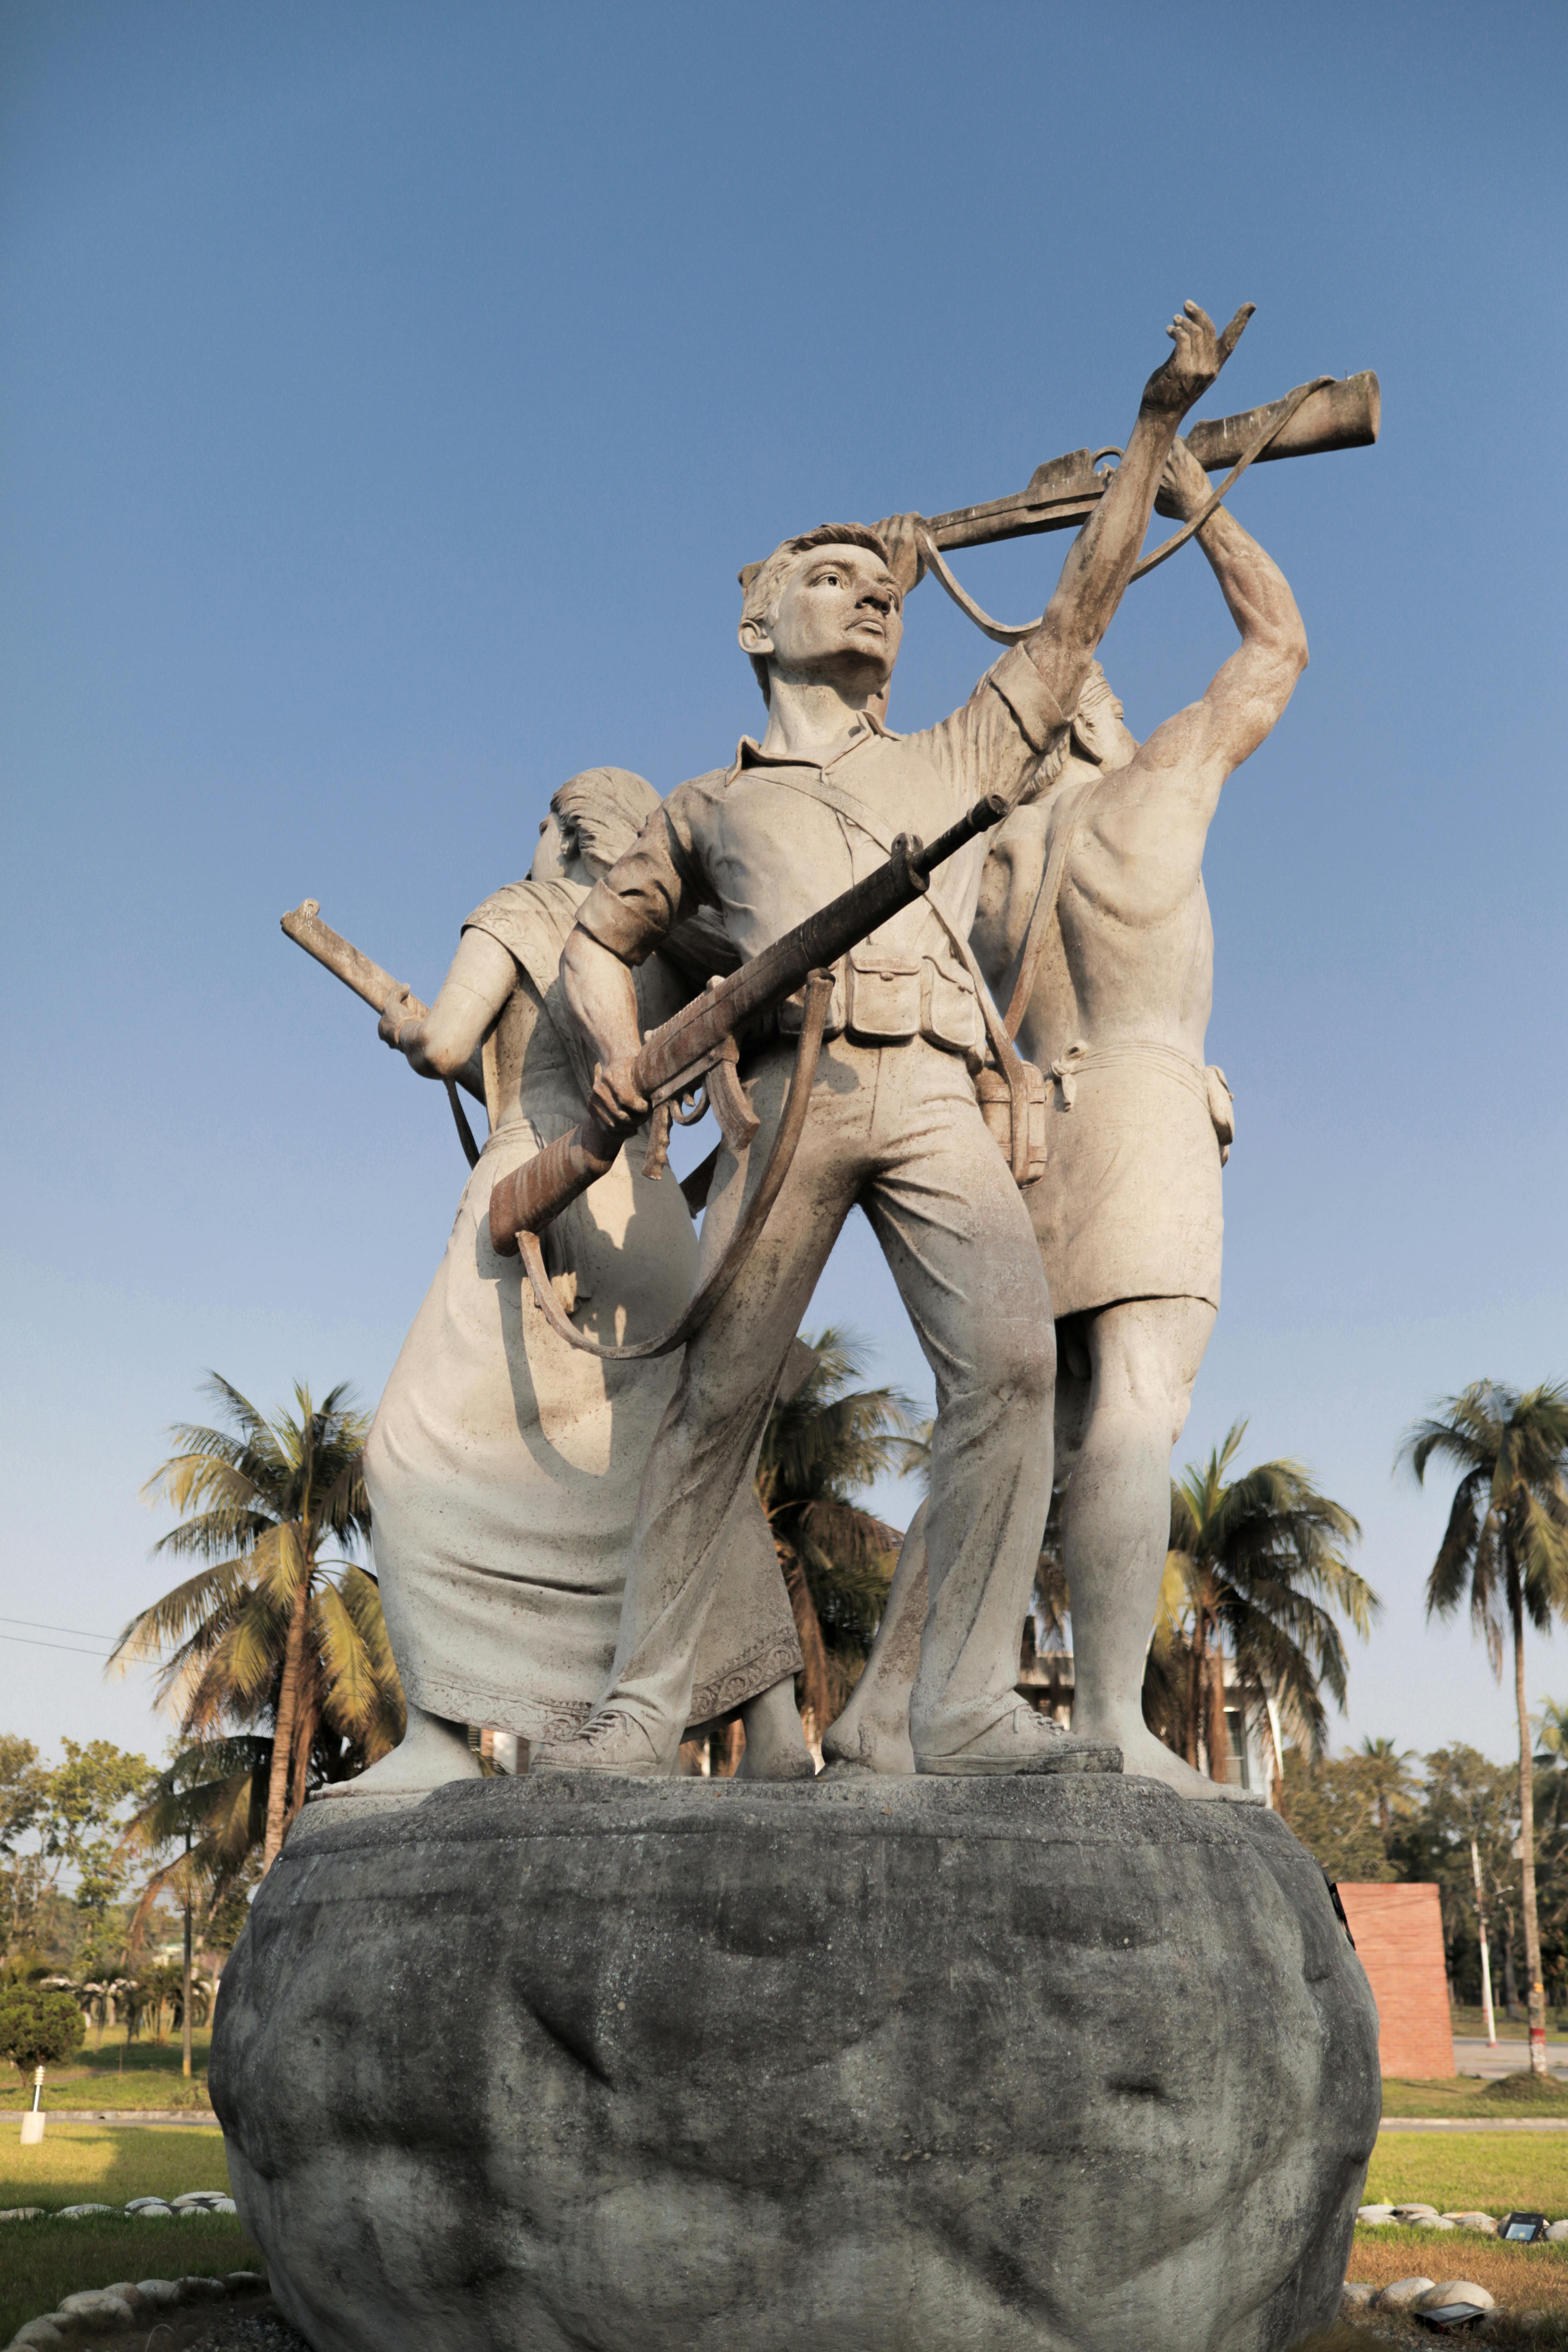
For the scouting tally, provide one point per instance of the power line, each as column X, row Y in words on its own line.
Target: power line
column 36, row 1625
column 28, row 1644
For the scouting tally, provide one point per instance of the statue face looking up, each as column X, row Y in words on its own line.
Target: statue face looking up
column 837, row 619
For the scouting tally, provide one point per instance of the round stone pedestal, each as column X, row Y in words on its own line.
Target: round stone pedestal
column 1017, row 2065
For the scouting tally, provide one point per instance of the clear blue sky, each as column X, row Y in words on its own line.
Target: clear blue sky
column 390, row 393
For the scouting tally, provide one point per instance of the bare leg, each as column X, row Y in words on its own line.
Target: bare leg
column 1143, row 1358
column 431, row 1752
column 775, row 1744
column 872, row 1734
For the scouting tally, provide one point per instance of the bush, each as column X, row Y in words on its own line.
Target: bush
column 39, row 2028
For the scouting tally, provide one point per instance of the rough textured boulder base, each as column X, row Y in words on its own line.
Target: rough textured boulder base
column 919, row 2066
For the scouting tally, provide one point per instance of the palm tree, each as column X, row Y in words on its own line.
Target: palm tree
column 828, row 1442
column 1384, row 1771
column 1254, row 1560
column 267, row 1634
column 1506, row 1545
column 209, row 1804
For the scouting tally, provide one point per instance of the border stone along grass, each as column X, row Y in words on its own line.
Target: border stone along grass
column 43, row 2262
column 91, row 2164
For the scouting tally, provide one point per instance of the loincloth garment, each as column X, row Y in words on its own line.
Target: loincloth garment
column 1129, row 1206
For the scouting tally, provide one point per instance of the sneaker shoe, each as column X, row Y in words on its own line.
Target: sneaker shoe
column 1023, row 1742
column 611, row 1742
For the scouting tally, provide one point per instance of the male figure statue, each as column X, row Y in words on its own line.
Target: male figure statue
column 893, row 1119
column 1127, row 1211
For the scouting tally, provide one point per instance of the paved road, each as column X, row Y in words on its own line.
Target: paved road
column 1475, row 2057
column 137, row 2118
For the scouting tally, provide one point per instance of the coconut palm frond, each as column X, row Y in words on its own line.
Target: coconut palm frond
column 831, row 1440
column 1258, row 1571
column 350, row 1694
column 179, row 1616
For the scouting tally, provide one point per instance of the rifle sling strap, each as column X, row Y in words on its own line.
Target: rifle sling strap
column 1011, row 633
column 791, row 1126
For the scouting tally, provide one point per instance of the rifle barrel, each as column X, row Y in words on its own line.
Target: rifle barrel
column 1063, row 493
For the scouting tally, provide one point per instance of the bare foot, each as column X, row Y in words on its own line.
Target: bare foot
column 870, row 1741
column 431, row 1752
column 1151, row 1759
column 775, row 1744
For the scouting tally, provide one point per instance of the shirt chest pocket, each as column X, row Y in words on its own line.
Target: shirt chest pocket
column 949, row 1015
column 884, row 994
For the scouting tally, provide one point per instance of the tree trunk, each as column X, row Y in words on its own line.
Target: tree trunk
column 815, row 1691
column 1219, row 1730
column 1197, row 1680
column 185, row 2011
column 307, row 1722
column 1537, row 1992
column 279, row 1775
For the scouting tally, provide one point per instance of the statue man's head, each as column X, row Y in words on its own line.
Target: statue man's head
column 826, row 608
column 1097, row 741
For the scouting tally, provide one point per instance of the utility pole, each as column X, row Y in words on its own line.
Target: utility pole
column 187, row 2010
column 1485, row 1955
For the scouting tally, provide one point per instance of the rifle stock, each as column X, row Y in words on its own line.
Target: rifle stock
column 304, row 926
column 675, row 1056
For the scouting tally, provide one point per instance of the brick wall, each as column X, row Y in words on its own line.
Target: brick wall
column 1398, row 1934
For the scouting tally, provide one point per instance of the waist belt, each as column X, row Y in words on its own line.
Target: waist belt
column 1208, row 1082
column 1066, row 1069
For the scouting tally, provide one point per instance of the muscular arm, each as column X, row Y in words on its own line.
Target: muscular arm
column 482, row 976
column 1101, row 558
column 602, row 997
column 1210, row 738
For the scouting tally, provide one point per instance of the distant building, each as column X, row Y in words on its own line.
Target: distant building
column 1045, row 1680
column 1398, row 1932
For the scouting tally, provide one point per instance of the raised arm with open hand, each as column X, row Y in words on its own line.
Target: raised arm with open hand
column 1211, row 738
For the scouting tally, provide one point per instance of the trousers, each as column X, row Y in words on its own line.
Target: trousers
column 896, row 1129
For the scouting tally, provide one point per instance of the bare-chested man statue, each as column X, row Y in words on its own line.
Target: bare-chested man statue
column 1127, row 1211
column 893, row 1123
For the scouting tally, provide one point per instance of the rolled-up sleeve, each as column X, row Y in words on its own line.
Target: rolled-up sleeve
column 995, row 742
column 655, row 886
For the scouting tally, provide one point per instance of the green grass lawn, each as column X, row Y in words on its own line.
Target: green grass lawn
column 140, row 2073
column 84, row 2164
column 91, row 2164
column 1467, row 2094
column 1490, row 2171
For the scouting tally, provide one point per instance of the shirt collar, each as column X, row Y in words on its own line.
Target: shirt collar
column 749, row 753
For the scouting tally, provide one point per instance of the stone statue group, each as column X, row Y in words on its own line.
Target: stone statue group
column 569, row 1543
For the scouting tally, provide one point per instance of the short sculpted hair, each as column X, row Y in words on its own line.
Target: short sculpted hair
column 761, row 593
column 601, row 814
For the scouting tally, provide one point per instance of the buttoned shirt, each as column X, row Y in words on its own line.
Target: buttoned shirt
column 757, row 841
